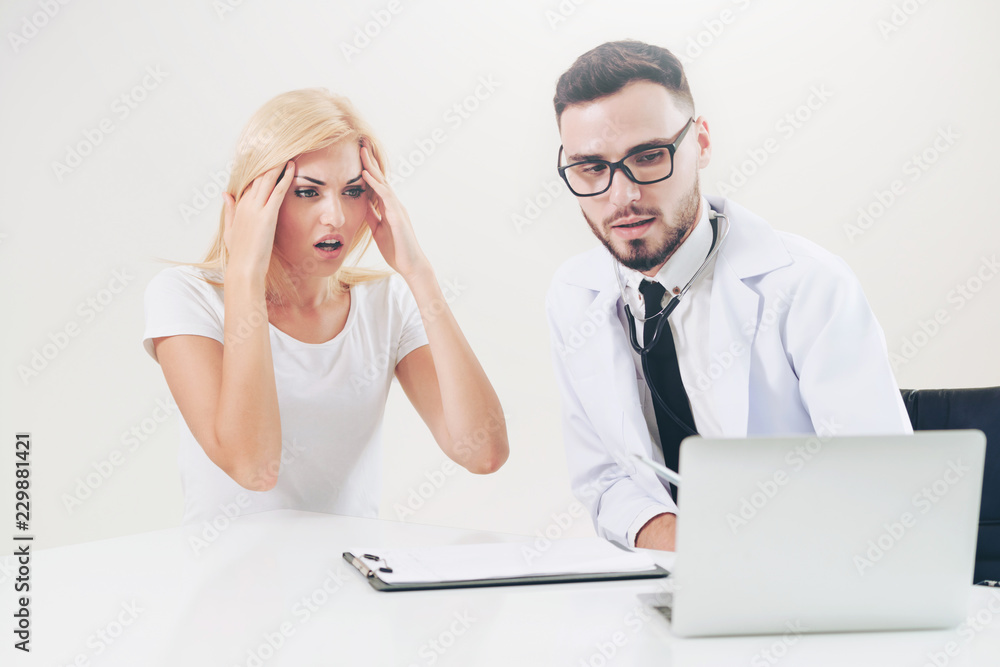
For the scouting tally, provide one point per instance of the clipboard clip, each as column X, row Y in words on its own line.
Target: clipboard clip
column 364, row 569
column 367, row 571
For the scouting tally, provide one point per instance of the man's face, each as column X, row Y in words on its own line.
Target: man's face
column 640, row 225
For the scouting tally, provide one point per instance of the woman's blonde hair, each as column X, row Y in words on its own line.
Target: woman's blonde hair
column 287, row 126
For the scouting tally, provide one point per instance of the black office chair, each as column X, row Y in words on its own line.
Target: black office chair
column 946, row 409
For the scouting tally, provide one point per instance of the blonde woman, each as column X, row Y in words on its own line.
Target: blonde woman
column 280, row 354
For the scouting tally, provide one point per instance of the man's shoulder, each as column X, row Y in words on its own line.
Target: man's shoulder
column 577, row 286
column 761, row 249
column 810, row 268
column 809, row 257
column 589, row 269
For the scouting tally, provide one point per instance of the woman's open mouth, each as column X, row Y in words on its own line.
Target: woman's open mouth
column 328, row 248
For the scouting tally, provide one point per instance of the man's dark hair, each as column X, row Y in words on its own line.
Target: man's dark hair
column 606, row 69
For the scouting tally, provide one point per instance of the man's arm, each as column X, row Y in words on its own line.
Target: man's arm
column 659, row 533
column 838, row 352
column 615, row 493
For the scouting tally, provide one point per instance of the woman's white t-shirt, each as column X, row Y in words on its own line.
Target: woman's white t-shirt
column 331, row 398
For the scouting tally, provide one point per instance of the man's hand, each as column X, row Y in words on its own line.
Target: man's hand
column 658, row 533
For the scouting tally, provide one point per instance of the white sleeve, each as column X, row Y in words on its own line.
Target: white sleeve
column 177, row 302
column 412, row 334
column 620, row 497
column 838, row 351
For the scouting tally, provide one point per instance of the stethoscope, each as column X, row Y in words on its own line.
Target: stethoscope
column 643, row 350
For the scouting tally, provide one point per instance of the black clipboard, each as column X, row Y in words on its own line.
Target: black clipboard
column 372, row 576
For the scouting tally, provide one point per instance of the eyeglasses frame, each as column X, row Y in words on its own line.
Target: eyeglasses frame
column 614, row 166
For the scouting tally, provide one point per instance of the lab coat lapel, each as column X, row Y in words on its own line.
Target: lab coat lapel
column 619, row 368
column 733, row 315
column 751, row 249
column 635, row 434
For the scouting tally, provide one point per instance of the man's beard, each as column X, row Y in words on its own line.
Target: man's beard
column 641, row 254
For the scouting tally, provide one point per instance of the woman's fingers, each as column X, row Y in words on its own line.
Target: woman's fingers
column 281, row 185
column 260, row 188
column 369, row 163
column 373, row 205
column 380, row 188
column 250, row 223
column 279, row 171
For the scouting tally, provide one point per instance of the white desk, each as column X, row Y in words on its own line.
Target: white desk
column 249, row 583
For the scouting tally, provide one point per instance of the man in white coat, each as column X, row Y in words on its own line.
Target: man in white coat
column 772, row 336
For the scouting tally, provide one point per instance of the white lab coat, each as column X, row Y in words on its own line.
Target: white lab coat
column 795, row 347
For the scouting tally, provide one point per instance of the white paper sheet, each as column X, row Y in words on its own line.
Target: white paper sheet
column 586, row 555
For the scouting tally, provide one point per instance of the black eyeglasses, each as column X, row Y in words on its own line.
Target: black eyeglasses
column 650, row 164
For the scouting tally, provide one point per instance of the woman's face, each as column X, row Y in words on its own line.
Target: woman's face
column 323, row 210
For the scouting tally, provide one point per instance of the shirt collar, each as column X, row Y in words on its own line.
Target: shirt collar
column 681, row 266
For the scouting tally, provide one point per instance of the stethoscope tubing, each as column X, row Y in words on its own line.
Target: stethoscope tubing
column 663, row 315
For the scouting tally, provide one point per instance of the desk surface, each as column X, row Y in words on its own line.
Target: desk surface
column 272, row 589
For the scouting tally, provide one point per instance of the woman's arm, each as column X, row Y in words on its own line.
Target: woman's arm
column 443, row 380
column 227, row 393
column 449, row 388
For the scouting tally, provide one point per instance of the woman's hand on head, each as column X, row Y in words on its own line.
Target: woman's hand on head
column 250, row 223
column 390, row 223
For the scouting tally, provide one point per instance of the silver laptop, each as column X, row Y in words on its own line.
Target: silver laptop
column 826, row 534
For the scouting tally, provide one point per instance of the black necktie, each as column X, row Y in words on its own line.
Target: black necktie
column 665, row 375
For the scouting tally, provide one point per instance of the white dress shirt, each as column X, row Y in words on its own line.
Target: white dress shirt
column 689, row 327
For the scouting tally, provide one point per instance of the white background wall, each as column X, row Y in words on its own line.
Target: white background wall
column 893, row 88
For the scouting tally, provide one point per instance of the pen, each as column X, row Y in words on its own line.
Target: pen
column 362, row 567
column 661, row 470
